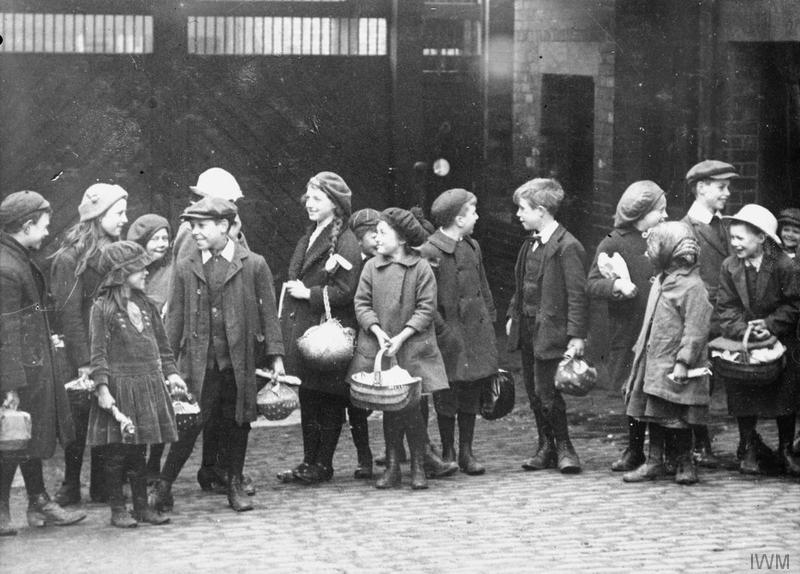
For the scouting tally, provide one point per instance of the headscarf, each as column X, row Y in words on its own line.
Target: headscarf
column 672, row 244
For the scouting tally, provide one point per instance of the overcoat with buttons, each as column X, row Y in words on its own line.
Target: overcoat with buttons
column 395, row 294
column 465, row 311
column 26, row 357
column 308, row 265
column 251, row 323
column 713, row 251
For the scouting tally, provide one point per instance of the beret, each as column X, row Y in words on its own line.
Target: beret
column 637, row 201
column 217, row 182
column 145, row 227
column 448, row 205
column 790, row 215
column 21, row 204
column 210, row 208
column 335, row 188
column 405, row 224
column 711, row 169
column 98, row 198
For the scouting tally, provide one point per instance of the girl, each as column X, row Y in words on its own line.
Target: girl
column 789, row 230
column 74, row 280
column 327, row 257
column 672, row 341
column 153, row 232
column 130, row 359
column 394, row 304
column 759, row 287
column 642, row 206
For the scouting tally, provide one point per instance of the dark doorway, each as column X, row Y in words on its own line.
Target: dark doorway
column 567, row 148
column 780, row 126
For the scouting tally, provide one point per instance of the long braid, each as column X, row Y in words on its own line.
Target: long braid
column 336, row 230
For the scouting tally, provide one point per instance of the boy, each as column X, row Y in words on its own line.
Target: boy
column 547, row 316
column 464, row 319
column 28, row 381
column 221, row 309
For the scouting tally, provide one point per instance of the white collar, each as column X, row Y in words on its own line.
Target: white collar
column 547, row 231
column 455, row 237
column 701, row 213
column 755, row 263
column 226, row 253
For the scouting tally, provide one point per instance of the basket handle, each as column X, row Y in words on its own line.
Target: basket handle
column 746, row 337
column 377, row 368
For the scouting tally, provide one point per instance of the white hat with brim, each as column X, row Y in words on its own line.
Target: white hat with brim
column 759, row 217
column 217, row 182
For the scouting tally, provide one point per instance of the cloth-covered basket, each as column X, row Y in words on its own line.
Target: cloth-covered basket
column 328, row 346
column 497, row 395
column 575, row 376
column 15, row 429
column 390, row 390
column 742, row 371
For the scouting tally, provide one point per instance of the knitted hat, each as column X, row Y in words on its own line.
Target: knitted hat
column 121, row 258
column 335, row 188
column 759, row 217
column 19, row 205
column 669, row 241
column 98, row 198
column 449, row 204
column 217, row 182
column 211, row 208
column 637, row 201
column 710, row 169
column 145, row 227
column 406, row 225
column 790, row 216
column 363, row 220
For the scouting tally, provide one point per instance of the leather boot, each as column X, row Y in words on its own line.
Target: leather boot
column 359, row 430
column 466, row 432
column 702, row 454
column 417, row 444
column 434, row 466
column 237, row 498
column 209, row 480
column 68, row 493
column 791, row 462
column 115, row 469
column 142, row 511
column 633, row 455
column 321, row 470
column 447, row 432
column 391, row 477
column 5, row 520
column 7, row 471
column 97, row 479
column 402, row 456
column 568, row 461
column 43, row 512
column 686, row 472
column 653, row 467
column 544, row 457
column 161, row 498
column 788, row 461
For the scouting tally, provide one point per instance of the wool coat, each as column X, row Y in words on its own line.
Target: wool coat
column 308, row 265
column 395, row 294
column 249, row 313
column 713, row 251
column 625, row 316
column 777, row 301
column 674, row 330
column 563, row 309
column 74, row 297
column 26, row 352
column 465, row 311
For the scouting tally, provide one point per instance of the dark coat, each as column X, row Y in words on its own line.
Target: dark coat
column 74, row 297
column 26, row 352
column 465, row 312
column 674, row 330
column 777, row 301
column 712, row 253
column 251, row 323
column 308, row 265
column 563, row 310
column 625, row 316
column 395, row 295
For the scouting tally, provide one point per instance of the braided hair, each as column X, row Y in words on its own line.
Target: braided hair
column 336, row 230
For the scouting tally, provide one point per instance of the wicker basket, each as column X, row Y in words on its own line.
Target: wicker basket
column 744, row 372
column 187, row 412
column 391, row 390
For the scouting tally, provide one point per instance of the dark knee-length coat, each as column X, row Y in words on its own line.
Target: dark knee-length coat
column 308, row 265
column 251, row 323
column 26, row 357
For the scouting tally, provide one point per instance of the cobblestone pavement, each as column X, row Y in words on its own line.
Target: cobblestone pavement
column 508, row 520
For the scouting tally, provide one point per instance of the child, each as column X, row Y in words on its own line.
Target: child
column 395, row 303
column 642, row 206
column 673, row 339
column 465, row 317
column 789, row 230
column 547, row 316
column 759, row 287
column 364, row 224
column 130, row 361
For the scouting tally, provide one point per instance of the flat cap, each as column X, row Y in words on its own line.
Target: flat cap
column 364, row 219
column 448, row 205
column 21, row 204
column 210, row 208
column 789, row 216
column 711, row 169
